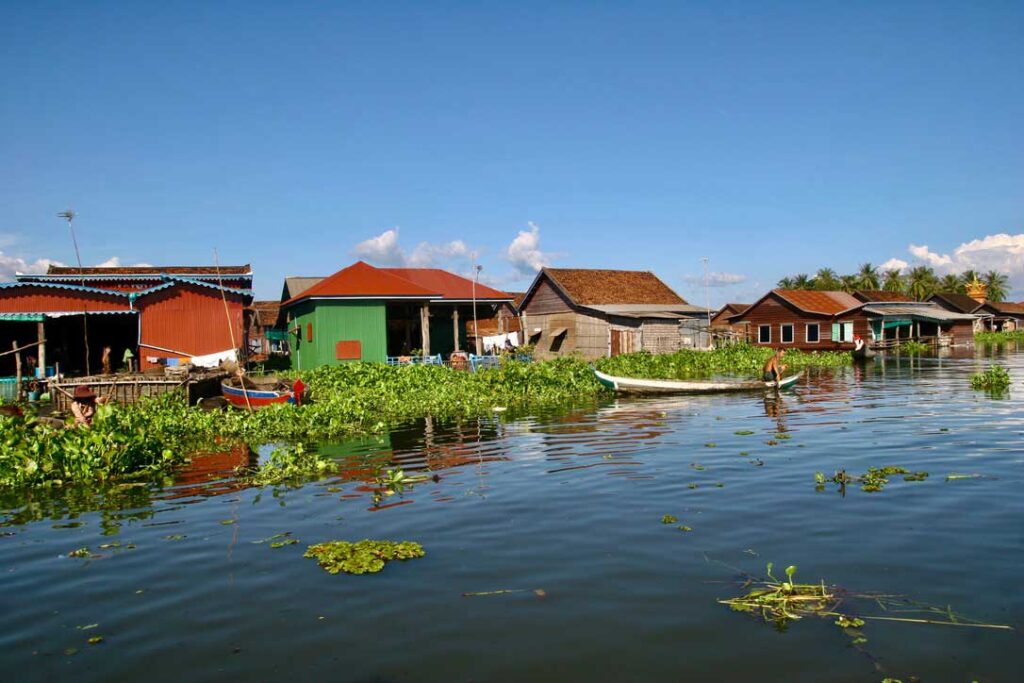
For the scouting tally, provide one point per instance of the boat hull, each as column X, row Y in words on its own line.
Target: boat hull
column 236, row 396
column 632, row 385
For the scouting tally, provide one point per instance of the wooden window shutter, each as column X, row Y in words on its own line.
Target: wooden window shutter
column 835, row 331
column 309, row 332
column 348, row 350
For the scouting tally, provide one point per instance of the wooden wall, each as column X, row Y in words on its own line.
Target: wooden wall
column 774, row 312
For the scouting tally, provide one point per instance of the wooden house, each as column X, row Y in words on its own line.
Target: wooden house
column 1000, row 316
column 829, row 320
column 376, row 314
column 598, row 313
column 721, row 328
column 262, row 334
column 157, row 313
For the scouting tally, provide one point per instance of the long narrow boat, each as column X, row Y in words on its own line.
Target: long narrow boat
column 633, row 385
column 261, row 391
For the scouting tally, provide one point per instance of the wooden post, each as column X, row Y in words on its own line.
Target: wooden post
column 425, row 329
column 41, row 331
column 17, row 371
column 455, row 324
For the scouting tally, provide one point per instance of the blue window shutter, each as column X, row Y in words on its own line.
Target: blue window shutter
column 835, row 331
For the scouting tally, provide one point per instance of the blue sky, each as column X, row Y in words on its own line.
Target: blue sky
column 773, row 138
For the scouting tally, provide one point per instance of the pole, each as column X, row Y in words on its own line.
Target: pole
column 41, row 332
column 17, row 370
column 69, row 216
column 707, row 298
column 476, row 331
column 231, row 332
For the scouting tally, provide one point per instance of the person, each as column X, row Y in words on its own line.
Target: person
column 83, row 405
column 30, row 362
column 773, row 369
column 105, row 360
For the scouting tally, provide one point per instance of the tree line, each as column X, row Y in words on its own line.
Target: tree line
column 919, row 282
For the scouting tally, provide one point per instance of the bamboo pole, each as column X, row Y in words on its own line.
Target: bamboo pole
column 17, row 348
column 231, row 331
column 41, row 335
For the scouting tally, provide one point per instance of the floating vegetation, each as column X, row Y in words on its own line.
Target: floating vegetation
column 914, row 347
column 176, row 537
column 995, row 338
column 957, row 476
column 692, row 485
column 711, row 444
column 272, row 539
column 281, row 544
column 872, row 481
column 95, row 640
column 683, row 527
column 996, row 378
column 737, row 359
column 228, row 522
column 782, row 436
column 362, row 557
column 743, row 432
column 697, row 466
column 80, row 552
column 669, row 519
column 290, row 464
column 780, row 602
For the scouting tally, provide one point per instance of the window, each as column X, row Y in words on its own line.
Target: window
column 813, row 333
column 842, row 332
column 786, row 331
column 764, row 334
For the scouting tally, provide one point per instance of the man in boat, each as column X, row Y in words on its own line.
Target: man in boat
column 773, row 368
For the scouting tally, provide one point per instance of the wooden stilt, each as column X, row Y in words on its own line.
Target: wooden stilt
column 41, row 332
column 425, row 329
column 455, row 325
column 17, row 371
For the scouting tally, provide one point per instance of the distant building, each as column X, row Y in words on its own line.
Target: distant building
column 720, row 324
column 158, row 313
column 373, row 314
column 262, row 335
column 830, row 320
column 995, row 316
column 599, row 313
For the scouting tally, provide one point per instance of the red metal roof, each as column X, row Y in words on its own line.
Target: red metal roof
column 880, row 295
column 363, row 280
column 814, row 301
column 150, row 270
column 448, row 285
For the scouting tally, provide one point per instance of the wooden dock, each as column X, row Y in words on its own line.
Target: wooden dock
column 129, row 389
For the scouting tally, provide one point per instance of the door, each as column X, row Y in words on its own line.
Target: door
column 616, row 342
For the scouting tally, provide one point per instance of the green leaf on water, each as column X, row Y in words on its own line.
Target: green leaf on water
column 227, row 521
column 744, row 432
column 669, row 519
column 96, row 640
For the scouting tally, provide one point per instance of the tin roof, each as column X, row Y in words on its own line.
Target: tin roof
column 266, row 312
column 959, row 302
column 363, row 281
column 151, row 270
column 1004, row 307
column 449, row 285
column 870, row 295
column 813, row 301
column 589, row 287
column 924, row 311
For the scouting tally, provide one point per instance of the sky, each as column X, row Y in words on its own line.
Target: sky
column 770, row 138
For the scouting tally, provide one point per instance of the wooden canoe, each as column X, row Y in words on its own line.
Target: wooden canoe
column 260, row 392
column 633, row 385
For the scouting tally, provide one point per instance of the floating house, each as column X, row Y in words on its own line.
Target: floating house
column 1003, row 316
column 720, row 325
column 156, row 313
column 598, row 313
column 829, row 320
column 364, row 313
column 262, row 336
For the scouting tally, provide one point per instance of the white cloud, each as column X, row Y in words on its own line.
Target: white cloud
column 894, row 264
column 112, row 262
column 923, row 253
column 385, row 250
column 10, row 265
column 716, row 279
column 524, row 252
column 382, row 250
column 1001, row 252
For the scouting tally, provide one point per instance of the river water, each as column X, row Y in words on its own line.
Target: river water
column 565, row 509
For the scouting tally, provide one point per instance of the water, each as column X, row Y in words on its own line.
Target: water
column 569, row 503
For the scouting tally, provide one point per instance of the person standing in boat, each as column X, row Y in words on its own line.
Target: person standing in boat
column 773, row 367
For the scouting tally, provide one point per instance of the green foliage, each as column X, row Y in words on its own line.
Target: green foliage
column 362, row 557
column 996, row 338
column 291, row 464
column 872, row 481
column 996, row 378
column 738, row 359
column 914, row 347
column 669, row 519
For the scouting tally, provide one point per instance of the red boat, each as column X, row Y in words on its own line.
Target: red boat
column 256, row 392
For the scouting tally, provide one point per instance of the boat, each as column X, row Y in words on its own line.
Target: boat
column 256, row 392
column 634, row 385
column 862, row 353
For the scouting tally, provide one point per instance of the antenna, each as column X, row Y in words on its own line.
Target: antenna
column 69, row 216
column 707, row 299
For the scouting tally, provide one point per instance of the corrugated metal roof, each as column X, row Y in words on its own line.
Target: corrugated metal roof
column 361, row 280
column 448, row 285
column 590, row 287
column 151, row 270
column 824, row 302
column 923, row 311
column 872, row 295
column 960, row 302
column 62, row 285
column 23, row 317
column 649, row 309
column 296, row 285
column 1006, row 307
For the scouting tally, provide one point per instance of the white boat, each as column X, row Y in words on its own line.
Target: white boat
column 634, row 385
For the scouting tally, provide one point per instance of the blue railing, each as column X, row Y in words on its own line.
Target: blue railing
column 415, row 360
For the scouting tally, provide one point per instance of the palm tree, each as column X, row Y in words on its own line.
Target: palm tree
column 849, row 283
column 997, row 285
column 826, row 280
column 785, row 283
column 969, row 276
column 802, row 281
column 921, row 282
column 951, row 284
column 893, row 281
column 867, row 276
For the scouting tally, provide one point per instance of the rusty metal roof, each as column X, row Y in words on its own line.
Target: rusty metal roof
column 587, row 287
column 872, row 295
column 448, row 285
column 956, row 301
column 266, row 312
column 813, row 301
column 150, row 270
column 363, row 281
column 1004, row 307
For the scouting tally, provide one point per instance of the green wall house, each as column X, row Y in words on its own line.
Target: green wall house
column 363, row 313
